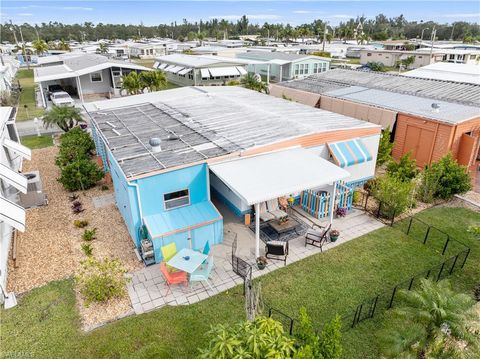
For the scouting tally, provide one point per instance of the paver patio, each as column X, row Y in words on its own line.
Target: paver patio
column 148, row 290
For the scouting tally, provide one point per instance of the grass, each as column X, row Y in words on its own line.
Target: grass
column 144, row 62
column 27, row 97
column 34, row 142
column 46, row 323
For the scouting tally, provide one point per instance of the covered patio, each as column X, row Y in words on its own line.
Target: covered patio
column 262, row 178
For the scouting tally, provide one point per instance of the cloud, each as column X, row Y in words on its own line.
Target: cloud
column 250, row 17
column 25, row 14
column 341, row 16
column 67, row 8
column 302, row 12
column 81, row 8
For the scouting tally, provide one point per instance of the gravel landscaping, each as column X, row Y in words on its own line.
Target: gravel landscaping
column 50, row 249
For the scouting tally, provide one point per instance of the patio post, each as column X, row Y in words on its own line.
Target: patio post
column 332, row 201
column 257, row 230
column 79, row 89
column 44, row 104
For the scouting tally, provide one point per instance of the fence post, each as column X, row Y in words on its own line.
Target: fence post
column 426, row 235
column 466, row 256
column 355, row 317
column 291, row 326
column 393, row 218
column 441, row 270
column 409, row 225
column 454, row 262
column 411, row 283
column 374, row 306
column 390, row 305
column 446, row 245
column 379, row 209
column 269, row 312
column 428, row 273
column 359, row 313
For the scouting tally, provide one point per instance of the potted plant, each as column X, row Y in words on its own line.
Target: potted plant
column 341, row 212
column 334, row 234
column 261, row 262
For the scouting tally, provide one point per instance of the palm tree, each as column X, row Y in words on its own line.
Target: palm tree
column 431, row 322
column 132, row 83
column 102, row 48
column 250, row 81
column 153, row 80
column 62, row 45
column 40, row 46
column 64, row 117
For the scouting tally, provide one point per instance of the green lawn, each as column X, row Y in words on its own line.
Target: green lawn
column 45, row 323
column 35, row 141
column 27, row 97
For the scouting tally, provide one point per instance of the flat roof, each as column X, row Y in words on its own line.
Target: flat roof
column 196, row 61
column 449, row 91
column 448, row 112
column 277, row 55
column 74, row 66
column 467, row 73
column 196, row 124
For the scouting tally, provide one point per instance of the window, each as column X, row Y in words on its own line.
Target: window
column 306, row 69
column 369, row 54
column 315, row 68
column 176, row 199
column 96, row 77
column 297, row 67
column 301, row 69
column 472, row 57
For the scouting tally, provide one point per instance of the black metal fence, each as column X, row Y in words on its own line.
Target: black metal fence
column 438, row 240
column 239, row 266
column 378, row 209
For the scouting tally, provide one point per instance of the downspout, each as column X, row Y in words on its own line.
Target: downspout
column 139, row 201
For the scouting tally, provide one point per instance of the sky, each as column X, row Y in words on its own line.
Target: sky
column 154, row 12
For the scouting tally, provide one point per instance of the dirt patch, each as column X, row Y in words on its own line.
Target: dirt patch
column 50, row 248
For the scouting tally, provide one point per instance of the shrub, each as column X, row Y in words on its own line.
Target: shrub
column 428, row 185
column 80, row 175
column 330, row 345
column 80, row 223
column 74, row 145
column 475, row 230
column 105, row 187
column 99, row 281
column 376, row 66
column 87, row 249
column 452, row 177
column 405, row 169
column 385, row 147
column 341, row 212
column 89, row 234
column 233, row 83
column 261, row 338
column 357, row 197
column 394, row 194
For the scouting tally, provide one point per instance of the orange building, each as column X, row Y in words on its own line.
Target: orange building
column 428, row 118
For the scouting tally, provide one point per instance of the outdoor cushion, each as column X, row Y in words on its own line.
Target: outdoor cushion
column 266, row 216
column 278, row 213
column 206, row 248
column 168, row 251
column 172, row 278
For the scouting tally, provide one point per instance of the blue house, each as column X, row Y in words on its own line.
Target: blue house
column 167, row 152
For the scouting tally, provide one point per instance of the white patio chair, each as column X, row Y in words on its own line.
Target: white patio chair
column 203, row 274
column 274, row 209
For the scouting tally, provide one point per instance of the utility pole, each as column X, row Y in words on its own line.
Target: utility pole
column 421, row 37
column 432, row 38
column 451, row 34
column 24, row 51
column 325, row 31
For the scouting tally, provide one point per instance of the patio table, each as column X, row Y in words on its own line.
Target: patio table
column 189, row 265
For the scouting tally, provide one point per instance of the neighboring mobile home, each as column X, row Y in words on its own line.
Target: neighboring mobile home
column 83, row 76
column 170, row 152
column 12, row 183
column 429, row 118
column 188, row 70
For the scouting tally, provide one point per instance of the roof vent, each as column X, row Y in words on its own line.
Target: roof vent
column 172, row 137
column 155, row 143
column 435, row 107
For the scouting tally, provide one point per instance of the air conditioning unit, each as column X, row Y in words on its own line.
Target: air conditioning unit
column 34, row 196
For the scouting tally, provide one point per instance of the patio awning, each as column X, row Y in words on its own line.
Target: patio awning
column 13, row 178
column 205, row 74
column 18, row 148
column 12, row 214
column 174, row 69
column 241, row 70
column 260, row 178
column 223, row 71
column 351, row 152
column 184, row 71
column 162, row 66
column 181, row 219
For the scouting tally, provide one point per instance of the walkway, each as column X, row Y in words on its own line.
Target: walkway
column 148, row 290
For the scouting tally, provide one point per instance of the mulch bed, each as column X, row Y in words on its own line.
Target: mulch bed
column 50, row 248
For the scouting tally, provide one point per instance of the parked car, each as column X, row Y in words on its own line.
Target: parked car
column 62, row 98
column 53, row 88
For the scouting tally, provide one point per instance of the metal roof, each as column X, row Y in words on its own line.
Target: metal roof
column 447, row 112
column 196, row 124
column 446, row 71
column 464, row 93
column 276, row 55
column 196, row 61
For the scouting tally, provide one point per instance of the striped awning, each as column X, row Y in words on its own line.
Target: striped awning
column 351, row 152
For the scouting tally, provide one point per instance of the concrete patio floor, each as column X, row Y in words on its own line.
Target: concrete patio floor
column 148, row 290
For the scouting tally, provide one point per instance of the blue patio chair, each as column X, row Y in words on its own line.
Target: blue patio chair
column 202, row 274
column 206, row 251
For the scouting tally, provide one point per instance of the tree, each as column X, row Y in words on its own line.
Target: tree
column 153, row 80
column 394, row 195
column 405, row 169
column 452, row 177
column 102, row 48
column 132, row 83
column 430, row 323
column 251, row 82
column 385, row 147
column 64, row 46
column 64, row 117
column 40, row 46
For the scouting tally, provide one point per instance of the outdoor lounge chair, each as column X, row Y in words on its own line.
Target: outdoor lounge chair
column 317, row 236
column 273, row 208
column 203, row 274
column 277, row 249
column 265, row 216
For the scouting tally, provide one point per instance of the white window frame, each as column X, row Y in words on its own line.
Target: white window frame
column 93, row 73
column 166, row 201
column 307, row 68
